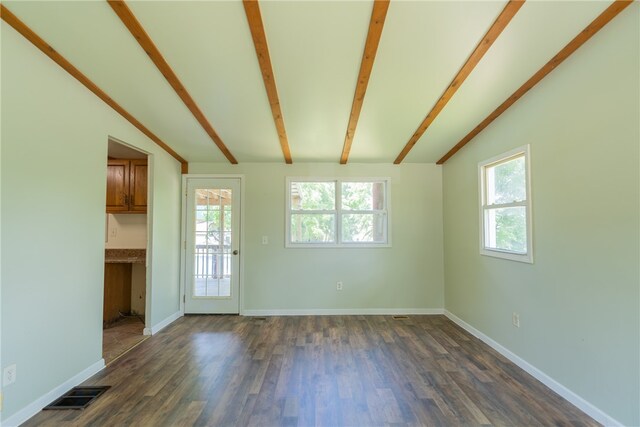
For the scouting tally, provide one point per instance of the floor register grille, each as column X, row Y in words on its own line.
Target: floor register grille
column 77, row 398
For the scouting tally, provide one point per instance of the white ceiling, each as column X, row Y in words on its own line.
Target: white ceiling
column 316, row 49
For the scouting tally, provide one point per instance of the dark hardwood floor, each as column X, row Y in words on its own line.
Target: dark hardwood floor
column 317, row 371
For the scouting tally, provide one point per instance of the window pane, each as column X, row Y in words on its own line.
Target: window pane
column 363, row 228
column 313, row 228
column 506, row 229
column 227, row 217
column 363, row 196
column 506, row 182
column 313, row 196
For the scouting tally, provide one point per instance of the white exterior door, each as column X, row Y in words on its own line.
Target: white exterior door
column 212, row 258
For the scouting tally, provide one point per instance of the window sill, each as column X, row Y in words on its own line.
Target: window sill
column 336, row 246
column 526, row 258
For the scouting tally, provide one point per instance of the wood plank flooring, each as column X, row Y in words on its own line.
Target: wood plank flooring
column 317, row 371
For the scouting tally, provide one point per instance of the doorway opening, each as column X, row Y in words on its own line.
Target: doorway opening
column 126, row 241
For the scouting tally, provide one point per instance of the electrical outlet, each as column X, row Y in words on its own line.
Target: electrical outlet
column 515, row 319
column 9, row 376
column 114, row 232
column 265, row 240
column 339, row 286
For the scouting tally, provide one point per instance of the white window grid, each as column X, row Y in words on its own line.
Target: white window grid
column 485, row 249
column 338, row 212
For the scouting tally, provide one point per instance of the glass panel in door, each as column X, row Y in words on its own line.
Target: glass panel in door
column 212, row 246
column 212, row 272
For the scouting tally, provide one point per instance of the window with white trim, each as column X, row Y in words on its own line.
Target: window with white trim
column 337, row 212
column 505, row 206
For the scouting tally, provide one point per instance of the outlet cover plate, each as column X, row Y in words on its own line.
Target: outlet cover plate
column 9, row 375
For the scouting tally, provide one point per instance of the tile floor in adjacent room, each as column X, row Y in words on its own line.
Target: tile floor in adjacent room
column 121, row 336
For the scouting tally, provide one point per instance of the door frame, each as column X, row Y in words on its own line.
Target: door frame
column 183, row 236
column 149, row 250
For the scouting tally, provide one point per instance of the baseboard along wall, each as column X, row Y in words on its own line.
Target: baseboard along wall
column 163, row 323
column 36, row 406
column 342, row 311
column 579, row 402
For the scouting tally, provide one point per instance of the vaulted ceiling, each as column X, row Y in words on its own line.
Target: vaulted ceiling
column 279, row 81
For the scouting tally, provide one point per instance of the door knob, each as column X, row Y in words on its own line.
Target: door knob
column 235, row 252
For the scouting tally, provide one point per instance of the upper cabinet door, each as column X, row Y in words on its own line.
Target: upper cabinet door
column 118, row 186
column 127, row 186
column 138, row 186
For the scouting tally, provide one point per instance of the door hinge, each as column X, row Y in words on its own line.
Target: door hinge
column 184, row 245
column 184, row 299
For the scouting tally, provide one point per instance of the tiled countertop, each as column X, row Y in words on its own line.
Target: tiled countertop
column 126, row 256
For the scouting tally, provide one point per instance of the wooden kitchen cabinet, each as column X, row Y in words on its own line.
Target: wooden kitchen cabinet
column 126, row 186
column 117, row 291
column 138, row 186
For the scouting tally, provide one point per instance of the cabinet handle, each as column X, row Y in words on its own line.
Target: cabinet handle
column 126, row 199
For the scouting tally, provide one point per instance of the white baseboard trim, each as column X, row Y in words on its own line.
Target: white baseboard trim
column 586, row 407
column 36, row 406
column 163, row 324
column 342, row 311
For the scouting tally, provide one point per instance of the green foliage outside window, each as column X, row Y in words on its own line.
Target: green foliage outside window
column 211, row 214
column 506, row 183
column 321, row 196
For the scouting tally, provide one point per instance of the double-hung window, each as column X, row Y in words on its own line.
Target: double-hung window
column 505, row 206
column 337, row 212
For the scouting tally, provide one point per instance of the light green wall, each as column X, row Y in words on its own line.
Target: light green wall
column 53, row 176
column 164, row 242
column 579, row 302
column 407, row 275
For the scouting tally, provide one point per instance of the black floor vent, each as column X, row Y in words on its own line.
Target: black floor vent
column 400, row 317
column 78, row 398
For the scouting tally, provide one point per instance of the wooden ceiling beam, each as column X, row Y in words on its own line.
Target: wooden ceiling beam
column 8, row 17
column 135, row 28
column 596, row 25
column 252, row 10
column 376, row 24
column 501, row 22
